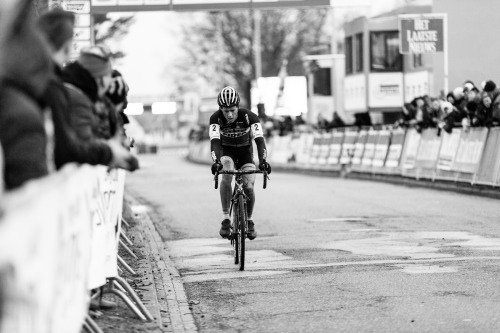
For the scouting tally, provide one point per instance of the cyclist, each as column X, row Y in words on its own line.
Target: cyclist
column 231, row 131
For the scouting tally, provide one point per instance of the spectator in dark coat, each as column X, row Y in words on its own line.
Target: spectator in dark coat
column 336, row 121
column 57, row 26
column 407, row 117
column 87, row 80
column 25, row 67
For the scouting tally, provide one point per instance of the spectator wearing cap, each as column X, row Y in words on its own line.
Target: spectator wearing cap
column 87, row 80
column 116, row 98
column 25, row 67
column 57, row 27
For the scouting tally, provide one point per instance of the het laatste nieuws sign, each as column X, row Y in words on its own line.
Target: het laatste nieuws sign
column 421, row 33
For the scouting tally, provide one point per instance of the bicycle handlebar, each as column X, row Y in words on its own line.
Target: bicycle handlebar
column 240, row 172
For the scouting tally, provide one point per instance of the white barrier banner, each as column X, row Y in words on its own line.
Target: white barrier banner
column 44, row 254
column 395, row 149
column 470, row 150
column 281, row 149
column 304, row 148
column 449, row 148
column 348, row 147
column 316, row 147
column 381, row 148
column 411, row 149
column 369, row 148
column 359, row 147
column 336, row 148
column 106, row 216
column 324, row 148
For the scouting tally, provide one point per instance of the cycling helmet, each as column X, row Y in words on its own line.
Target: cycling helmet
column 228, row 97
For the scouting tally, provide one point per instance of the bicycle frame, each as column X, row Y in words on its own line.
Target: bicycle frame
column 239, row 224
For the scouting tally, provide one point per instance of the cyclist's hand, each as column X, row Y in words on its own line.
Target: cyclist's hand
column 216, row 167
column 264, row 166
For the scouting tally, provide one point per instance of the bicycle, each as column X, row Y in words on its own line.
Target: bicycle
column 239, row 224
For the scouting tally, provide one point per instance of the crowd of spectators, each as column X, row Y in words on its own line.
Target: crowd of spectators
column 466, row 106
column 55, row 108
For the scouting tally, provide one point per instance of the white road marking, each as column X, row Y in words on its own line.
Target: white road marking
column 230, row 275
column 339, row 219
column 427, row 269
column 415, row 245
column 139, row 209
column 212, row 258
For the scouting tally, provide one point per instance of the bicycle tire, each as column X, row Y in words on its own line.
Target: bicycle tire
column 235, row 241
column 242, row 230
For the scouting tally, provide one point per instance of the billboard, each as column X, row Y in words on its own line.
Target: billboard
column 423, row 33
column 105, row 6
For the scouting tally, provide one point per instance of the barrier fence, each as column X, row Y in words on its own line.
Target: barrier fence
column 469, row 156
column 54, row 253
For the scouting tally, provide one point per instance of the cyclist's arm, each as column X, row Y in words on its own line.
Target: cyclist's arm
column 215, row 143
column 258, row 135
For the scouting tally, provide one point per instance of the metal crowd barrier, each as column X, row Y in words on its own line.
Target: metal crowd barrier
column 471, row 156
column 59, row 239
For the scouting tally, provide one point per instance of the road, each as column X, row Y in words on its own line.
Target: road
column 332, row 255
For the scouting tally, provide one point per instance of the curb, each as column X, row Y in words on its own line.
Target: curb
column 171, row 304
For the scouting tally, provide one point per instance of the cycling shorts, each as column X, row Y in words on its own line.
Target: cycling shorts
column 239, row 155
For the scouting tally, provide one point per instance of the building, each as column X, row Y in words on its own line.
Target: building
column 379, row 79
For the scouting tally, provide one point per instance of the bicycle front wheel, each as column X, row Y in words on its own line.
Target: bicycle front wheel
column 242, row 230
column 235, row 241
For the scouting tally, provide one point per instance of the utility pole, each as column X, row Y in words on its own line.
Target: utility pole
column 257, row 54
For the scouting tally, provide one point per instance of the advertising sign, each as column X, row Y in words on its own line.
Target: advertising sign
column 386, row 90
column 421, row 33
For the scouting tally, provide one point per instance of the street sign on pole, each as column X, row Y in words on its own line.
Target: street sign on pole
column 425, row 33
column 421, row 33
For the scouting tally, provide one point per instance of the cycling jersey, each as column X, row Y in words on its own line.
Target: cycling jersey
column 236, row 138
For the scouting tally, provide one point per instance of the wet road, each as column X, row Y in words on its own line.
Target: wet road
column 332, row 255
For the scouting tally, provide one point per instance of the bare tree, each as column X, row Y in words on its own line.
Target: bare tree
column 220, row 48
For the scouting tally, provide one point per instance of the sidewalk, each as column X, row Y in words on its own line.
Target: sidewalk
column 157, row 282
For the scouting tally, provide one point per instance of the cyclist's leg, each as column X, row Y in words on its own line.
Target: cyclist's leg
column 249, row 181
column 225, row 185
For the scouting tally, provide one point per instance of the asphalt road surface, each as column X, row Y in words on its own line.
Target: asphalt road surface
column 332, row 255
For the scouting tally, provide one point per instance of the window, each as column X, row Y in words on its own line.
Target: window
column 418, row 60
column 322, row 82
column 385, row 56
column 348, row 55
column 359, row 52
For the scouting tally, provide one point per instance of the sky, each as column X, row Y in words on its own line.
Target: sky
column 154, row 42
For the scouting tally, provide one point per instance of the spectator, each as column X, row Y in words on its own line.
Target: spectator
column 57, row 27
column 25, row 69
column 422, row 117
column 117, row 95
column 322, row 123
column 407, row 117
column 436, row 114
column 336, row 121
column 87, row 80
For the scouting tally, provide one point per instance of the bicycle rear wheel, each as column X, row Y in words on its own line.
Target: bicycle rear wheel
column 242, row 230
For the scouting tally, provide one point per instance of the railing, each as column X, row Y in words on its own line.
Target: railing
column 471, row 156
column 59, row 239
